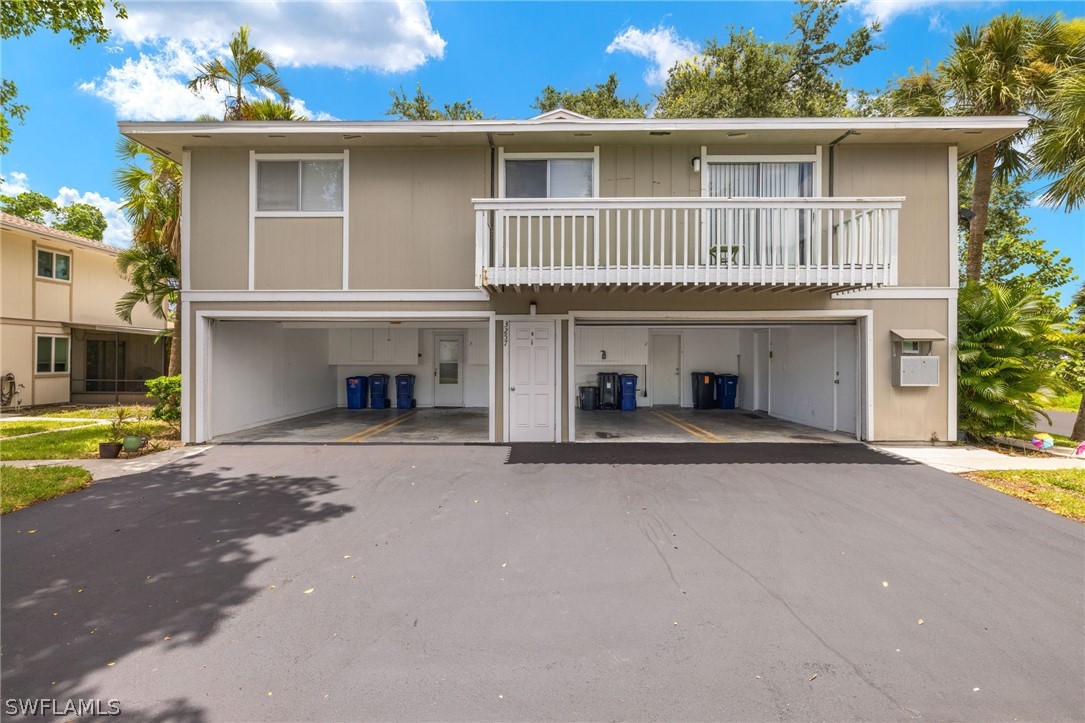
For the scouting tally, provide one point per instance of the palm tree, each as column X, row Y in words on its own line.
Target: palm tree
column 247, row 67
column 150, row 184
column 1007, row 67
column 1060, row 147
column 270, row 109
column 154, row 275
column 1009, row 348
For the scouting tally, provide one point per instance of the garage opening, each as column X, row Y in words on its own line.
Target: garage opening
column 796, row 382
column 286, row 381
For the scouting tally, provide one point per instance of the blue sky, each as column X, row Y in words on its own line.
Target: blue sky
column 340, row 59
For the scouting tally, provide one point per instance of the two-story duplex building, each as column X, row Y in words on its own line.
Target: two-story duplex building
column 60, row 338
column 506, row 262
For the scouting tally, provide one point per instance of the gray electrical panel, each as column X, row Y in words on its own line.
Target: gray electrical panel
column 915, row 371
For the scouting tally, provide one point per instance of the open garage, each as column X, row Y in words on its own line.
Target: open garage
column 285, row 380
column 796, row 380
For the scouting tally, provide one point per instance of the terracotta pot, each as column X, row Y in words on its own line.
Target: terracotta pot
column 109, row 450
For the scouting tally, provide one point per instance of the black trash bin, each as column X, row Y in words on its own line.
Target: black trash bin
column 726, row 390
column 356, row 388
column 378, row 391
column 405, row 391
column 589, row 398
column 629, row 392
column 704, row 390
column 609, row 390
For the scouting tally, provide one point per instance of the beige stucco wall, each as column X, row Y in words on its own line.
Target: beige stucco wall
column 412, row 225
column 219, row 219
column 96, row 287
column 921, row 174
column 298, row 253
column 16, row 276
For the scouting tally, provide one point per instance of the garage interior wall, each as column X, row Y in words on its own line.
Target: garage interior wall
column 262, row 372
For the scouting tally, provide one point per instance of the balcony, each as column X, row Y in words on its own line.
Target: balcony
column 629, row 242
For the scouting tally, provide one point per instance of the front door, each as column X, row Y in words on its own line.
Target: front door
column 531, row 382
column 666, row 369
column 448, row 370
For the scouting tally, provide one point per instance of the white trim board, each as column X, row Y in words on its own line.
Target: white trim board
column 232, row 295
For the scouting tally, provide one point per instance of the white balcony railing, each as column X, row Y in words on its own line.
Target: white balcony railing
column 718, row 241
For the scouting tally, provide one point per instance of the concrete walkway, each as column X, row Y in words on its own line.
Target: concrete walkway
column 973, row 459
column 102, row 469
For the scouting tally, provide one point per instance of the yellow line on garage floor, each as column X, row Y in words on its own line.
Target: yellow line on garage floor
column 374, row 430
column 700, row 433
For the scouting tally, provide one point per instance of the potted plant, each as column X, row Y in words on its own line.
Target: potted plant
column 112, row 448
column 134, row 442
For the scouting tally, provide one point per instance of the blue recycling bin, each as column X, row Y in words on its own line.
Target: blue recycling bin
column 405, row 391
column 356, row 389
column 378, row 391
column 629, row 392
column 726, row 390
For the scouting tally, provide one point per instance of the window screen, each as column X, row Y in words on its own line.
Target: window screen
column 525, row 179
column 277, row 186
column 553, row 178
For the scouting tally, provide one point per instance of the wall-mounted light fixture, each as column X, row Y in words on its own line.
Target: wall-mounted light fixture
column 696, row 163
column 533, row 308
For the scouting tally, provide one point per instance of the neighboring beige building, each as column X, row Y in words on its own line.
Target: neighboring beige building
column 60, row 337
column 506, row 263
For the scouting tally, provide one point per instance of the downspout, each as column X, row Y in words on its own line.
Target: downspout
column 493, row 190
column 832, row 161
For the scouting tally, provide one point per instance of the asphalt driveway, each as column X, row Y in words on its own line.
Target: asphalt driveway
column 383, row 582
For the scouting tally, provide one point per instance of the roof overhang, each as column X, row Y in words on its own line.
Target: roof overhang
column 39, row 232
column 969, row 134
column 916, row 335
column 106, row 328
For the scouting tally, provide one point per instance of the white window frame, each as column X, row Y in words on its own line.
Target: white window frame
column 298, row 158
column 54, row 253
column 592, row 156
column 344, row 214
column 53, row 354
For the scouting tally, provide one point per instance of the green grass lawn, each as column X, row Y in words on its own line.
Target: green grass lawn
column 79, row 443
column 83, row 412
column 1060, row 490
column 14, row 428
column 1066, row 403
column 21, row 487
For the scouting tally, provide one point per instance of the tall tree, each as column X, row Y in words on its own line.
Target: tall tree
column 748, row 77
column 153, row 273
column 600, row 101
column 247, row 68
column 31, row 205
column 421, row 107
column 82, row 219
column 84, row 21
column 151, row 186
column 1007, row 67
column 1011, row 255
column 1060, row 145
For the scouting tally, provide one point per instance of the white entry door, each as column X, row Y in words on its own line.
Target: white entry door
column 666, row 369
column 531, row 382
column 448, row 370
column 846, row 380
column 761, row 370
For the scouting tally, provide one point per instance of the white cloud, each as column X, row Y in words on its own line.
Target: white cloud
column 662, row 46
column 885, row 11
column 155, row 86
column 13, row 183
column 299, row 107
column 118, row 231
column 391, row 37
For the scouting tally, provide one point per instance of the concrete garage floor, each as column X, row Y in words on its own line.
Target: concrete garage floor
column 678, row 424
column 357, row 426
column 390, row 582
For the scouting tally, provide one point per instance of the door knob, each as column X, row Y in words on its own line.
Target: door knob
column 512, row 389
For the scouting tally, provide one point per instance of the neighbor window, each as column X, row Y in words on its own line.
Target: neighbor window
column 909, row 347
column 550, row 178
column 54, row 265
column 52, row 354
column 299, row 186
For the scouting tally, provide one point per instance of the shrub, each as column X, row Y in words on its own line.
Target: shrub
column 1010, row 348
column 167, row 390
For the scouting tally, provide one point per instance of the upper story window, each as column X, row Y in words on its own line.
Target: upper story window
column 555, row 175
column 52, row 354
column 299, row 186
column 54, row 265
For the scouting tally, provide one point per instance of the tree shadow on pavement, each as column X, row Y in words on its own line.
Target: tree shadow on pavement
column 159, row 559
